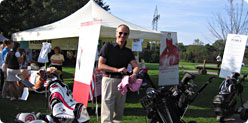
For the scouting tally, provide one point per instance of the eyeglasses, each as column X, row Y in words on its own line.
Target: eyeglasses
column 124, row 33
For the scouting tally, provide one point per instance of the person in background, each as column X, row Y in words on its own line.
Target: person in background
column 96, row 58
column 13, row 61
column 218, row 59
column 114, row 59
column 29, row 55
column 2, row 46
column 183, row 68
column 25, row 62
column 57, row 59
column 8, row 46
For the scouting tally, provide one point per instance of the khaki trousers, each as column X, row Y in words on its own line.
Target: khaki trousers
column 113, row 101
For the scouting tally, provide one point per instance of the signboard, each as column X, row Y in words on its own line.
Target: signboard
column 37, row 44
column 63, row 43
column 87, row 46
column 169, row 59
column 233, row 54
column 137, row 45
column 66, row 43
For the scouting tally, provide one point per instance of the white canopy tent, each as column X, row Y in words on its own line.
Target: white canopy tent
column 69, row 26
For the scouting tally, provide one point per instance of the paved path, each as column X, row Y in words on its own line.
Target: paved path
column 196, row 72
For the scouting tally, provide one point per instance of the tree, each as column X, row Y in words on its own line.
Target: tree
column 198, row 42
column 235, row 21
column 181, row 47
column 182, row 50
column 17, row 15
column 103, row 4
column 211, row 53
column 246, row 56
column 196, row 53
column 219, row 45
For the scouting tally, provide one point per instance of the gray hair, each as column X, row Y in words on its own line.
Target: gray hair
column 124, row 26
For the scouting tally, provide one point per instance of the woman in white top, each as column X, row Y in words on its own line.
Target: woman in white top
column 57, row 59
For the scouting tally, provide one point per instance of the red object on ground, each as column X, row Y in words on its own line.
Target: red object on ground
column 145, row 69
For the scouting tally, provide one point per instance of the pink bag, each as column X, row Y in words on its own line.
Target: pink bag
column 122, row 87
column 136, row 85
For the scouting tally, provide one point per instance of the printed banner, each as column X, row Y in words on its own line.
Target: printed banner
column 63, row 43
column 169, row 59
column 87, row 46
column 137, row 45
column 233, row 54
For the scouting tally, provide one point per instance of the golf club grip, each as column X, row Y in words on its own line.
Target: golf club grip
column 128, row 73
column 150, row 81
column 18, row 76
column 243, row 77
column 211, row 79
column 147, row 78
column 187, row 76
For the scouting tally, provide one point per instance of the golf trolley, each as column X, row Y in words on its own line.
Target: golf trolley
column 60, row 101
column 225, row 102
column 169, row 105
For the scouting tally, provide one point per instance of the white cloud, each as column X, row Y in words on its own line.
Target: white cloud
column 246, row 1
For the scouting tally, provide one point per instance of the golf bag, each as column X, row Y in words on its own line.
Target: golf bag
column 64, row 108
column 226, row 100
column 32, row 118
column 169, row 105
column 61, row 102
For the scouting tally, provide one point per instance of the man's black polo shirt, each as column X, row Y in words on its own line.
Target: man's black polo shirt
column 116, row 57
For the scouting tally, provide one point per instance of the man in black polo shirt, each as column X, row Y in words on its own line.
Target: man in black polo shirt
column 114, row 59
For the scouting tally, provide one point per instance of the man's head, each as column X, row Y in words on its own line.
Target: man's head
column 8, row 43
column 4, row 44
column 15, row 46
column 12, row 44
column 122, row 33
column 56, row 50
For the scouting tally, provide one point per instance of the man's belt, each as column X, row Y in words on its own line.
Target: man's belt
column 113, row 76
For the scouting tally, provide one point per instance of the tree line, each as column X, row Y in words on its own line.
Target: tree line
column 19, row 15
column 195, row 53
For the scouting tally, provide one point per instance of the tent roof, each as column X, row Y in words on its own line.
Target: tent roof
column 2, row 38
column 69, row 26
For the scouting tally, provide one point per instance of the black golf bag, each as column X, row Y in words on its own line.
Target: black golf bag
column 225, row 102
column 169, row 105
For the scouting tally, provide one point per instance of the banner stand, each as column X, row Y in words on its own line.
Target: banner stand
column 233, row 54
column 87, row 47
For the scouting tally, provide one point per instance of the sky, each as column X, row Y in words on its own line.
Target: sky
column 189, row 18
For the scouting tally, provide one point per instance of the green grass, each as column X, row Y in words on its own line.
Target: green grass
column 201, row 109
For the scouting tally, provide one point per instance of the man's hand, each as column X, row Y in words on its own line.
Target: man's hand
column 132, row 78
column 124, row 70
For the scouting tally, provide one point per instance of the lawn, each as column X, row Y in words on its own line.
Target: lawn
column 201, row 109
